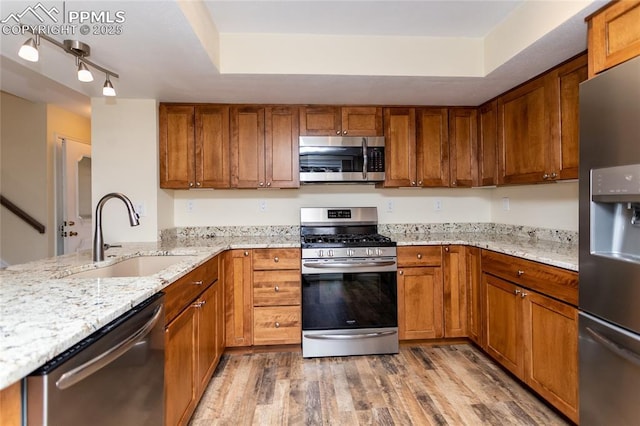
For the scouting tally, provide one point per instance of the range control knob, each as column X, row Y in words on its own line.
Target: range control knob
column 351, row 252
column 370, row 252
column 330, row 254
column 379, row 252
column 320, row 253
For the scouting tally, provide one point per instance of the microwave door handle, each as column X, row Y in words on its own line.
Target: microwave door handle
column 366, row 158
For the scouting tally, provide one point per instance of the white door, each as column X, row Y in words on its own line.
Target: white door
column 75, row 215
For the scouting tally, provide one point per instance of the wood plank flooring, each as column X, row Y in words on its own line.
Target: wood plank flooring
column 424, row 384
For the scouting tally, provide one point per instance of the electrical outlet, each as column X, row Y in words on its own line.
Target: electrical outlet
column 262, row 206
column 437, row 204
column 505, row 204
column 190, row 206
column 390, row 206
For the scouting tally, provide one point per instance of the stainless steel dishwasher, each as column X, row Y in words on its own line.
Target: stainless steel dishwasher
column 113, row 377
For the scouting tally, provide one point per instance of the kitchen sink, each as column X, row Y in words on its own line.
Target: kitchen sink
column 140, row 266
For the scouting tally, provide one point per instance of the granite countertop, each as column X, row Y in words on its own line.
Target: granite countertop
column 44, row 310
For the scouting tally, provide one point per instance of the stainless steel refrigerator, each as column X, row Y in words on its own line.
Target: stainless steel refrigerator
column 610, row 247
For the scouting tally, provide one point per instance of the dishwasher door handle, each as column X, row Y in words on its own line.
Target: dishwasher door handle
column 95, row 364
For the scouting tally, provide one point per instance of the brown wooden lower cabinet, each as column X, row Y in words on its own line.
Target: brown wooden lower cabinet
column 237, row 282
column 11, row 405
column 475, row 297
column 455, row 297
column 194, row 342
column 533, row 335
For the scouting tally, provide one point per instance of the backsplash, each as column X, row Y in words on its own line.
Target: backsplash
column 516, row 231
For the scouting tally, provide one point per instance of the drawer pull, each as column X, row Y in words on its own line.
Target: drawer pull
column 276, row 289
column 516, row 291
column 246, row 253
column 277, row 324
column 419, row 256
column 198, row 304
column 197, row 282
column 520, row 272
column 523, row 294
column 276, row 259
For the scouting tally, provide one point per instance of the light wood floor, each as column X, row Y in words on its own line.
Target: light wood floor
column 423, row 385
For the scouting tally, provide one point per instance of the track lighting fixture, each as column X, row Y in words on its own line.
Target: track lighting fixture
column 29, row 50
column 78, row 49
column 107, row 89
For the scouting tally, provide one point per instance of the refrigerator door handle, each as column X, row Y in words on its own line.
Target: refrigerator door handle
column 614, row 347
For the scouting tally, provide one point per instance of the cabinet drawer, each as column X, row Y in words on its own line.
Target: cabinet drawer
column 273, row 288
column 419, row 256
column 184, row 290
column 265, row 259
column 555, row 282
column 276, row 326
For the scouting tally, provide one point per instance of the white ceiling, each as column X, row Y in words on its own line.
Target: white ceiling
column 160, row 56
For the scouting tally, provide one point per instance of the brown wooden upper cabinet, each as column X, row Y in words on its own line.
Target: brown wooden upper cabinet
column 324, row 120
column 613, row 35
column 488, row 143
column 264, row 144
column 538, row 127
column 416, row 147
column 463, row 145
column 194, row 146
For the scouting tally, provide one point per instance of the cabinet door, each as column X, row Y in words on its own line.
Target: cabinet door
column 524, row 134
column 206, row 349
column 247, row 147
column 567, row 151
column 463, row 139
column 432, row 147
column 551, row 350
column 320, row 121
column 237, row 292
column 400, row 147
column 474, row 296
column 503, row 310
column 614, row 35
column 455, row 291
column 281, row 146
column 362, row 121
column 180, row 368
column 420, row 303
column 488, row 144
column 212, row 146
column 177, row 149
column 11, row 405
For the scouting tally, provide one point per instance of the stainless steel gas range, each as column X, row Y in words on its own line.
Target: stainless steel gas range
column 349, row 283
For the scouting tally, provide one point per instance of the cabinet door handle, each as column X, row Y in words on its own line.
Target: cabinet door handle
column 268, row 183
column 344, row 132
column 520, row 272
column 276, row 289
column 246, row 253
column 198, row 304
column 419, row 183
column 517, row 291
column 554, row 175
column 400, row 272
column 191, row 184
column 276, row 259
column 446, row 249
column 413, row 183
column 261, row 183
column 454, row 183
column 197, row 282
column 198, row 183
column 277, row 324
column 523, row 294
column 545, row 176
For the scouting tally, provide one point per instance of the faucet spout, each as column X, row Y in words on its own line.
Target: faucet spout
column 98, row 243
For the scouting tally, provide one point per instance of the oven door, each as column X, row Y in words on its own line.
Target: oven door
column 350, row 295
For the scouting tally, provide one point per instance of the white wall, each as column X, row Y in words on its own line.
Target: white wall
column 124, row 134
column 242, row 207
column 552, row 206
column 23, row 178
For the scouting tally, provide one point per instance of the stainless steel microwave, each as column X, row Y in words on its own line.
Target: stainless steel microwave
column 341, row 159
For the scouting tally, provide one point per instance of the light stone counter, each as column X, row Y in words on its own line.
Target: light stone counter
column 44, row 311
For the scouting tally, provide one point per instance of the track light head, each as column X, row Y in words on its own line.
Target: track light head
column 107, row 89
column 84, row 74
column 29, row 50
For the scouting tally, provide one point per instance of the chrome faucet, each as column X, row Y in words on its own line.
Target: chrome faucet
column 98, row 246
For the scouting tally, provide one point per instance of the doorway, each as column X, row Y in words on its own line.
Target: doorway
column 73, row 196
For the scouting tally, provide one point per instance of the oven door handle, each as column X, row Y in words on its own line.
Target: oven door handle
column 318, row 265
column 349, row 336
column 95, row 364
